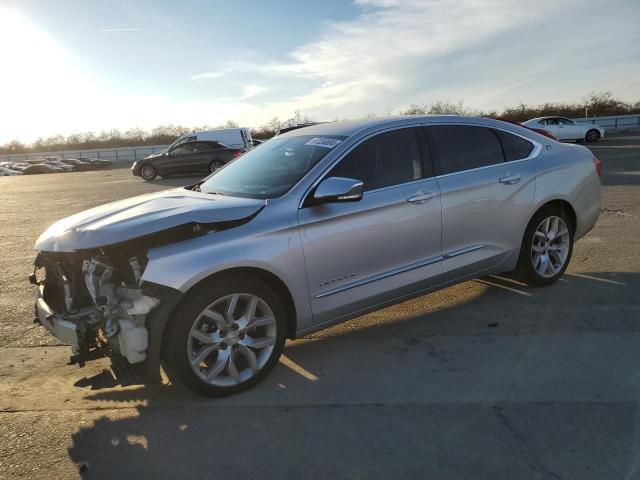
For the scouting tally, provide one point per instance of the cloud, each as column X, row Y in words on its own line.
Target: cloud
column 250, row 91
column 371, row 54
column 489, row 52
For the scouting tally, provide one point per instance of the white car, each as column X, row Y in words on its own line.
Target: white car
column 566, row 129
column 7, row 172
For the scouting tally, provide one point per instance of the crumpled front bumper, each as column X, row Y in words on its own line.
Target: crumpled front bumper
column 63, row 330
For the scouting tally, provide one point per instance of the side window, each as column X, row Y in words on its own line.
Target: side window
column 514, row 147
column 552, row 121
column 463, row 147
column 543, row 121
column 183, row 140
column 203, row 146
column 182, row 149
column 387, row 159
column 565, row 121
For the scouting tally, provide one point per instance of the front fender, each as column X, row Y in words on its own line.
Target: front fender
column 278, row 251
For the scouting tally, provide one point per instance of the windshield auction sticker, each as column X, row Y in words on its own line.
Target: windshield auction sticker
column 323, row 142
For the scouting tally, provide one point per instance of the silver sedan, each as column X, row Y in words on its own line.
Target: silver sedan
column 317, row 226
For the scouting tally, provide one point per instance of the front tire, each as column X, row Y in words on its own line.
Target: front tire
column 546, row 247
column 592, row 135
column 226, row 336
column 148, row 172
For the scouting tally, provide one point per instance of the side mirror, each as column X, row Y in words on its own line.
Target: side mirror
column 338, row 189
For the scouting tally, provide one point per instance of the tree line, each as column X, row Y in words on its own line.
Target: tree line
column 594, row 104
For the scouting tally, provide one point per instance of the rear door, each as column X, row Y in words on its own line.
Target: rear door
column 203, row 154
column 568, row 129
column 485, row 199
column 248, row 138
column 359, row 254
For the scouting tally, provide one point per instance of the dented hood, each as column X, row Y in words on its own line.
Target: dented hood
column 134, row 217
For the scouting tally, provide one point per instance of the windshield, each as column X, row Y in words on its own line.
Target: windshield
column 272, row 169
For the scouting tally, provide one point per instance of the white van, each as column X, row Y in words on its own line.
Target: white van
column 231, row 137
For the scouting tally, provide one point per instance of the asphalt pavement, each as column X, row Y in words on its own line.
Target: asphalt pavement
column 488, row 379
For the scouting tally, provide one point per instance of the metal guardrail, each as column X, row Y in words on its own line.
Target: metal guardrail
column 124, row 154
column 618, row 122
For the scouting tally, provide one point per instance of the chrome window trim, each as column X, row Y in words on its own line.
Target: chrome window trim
column 398, row 185
column 537, row 147
column 396, row 271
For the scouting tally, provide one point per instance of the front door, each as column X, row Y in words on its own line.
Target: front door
column 386, row 245
column 180, row 159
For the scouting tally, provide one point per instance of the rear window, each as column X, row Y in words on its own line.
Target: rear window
column 515, row 148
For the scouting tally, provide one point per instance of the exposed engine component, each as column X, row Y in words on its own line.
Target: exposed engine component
column 100, row 300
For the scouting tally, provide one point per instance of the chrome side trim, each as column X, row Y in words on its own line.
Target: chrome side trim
column 396, row 271
column 461, row 251
column 380, row 276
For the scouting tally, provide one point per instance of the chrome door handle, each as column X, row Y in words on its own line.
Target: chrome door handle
column 420, row 197
column 510, row 179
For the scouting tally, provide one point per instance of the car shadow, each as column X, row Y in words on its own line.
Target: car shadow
column 338, row 404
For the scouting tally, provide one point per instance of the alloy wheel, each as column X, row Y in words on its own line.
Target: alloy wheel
column 550, row 246
column 592, row 135
column 148, row 172
column 232, row 339
column 215, row 165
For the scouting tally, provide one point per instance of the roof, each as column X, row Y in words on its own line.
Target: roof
column 350, row 127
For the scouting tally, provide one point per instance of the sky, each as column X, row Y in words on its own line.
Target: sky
column 73, row 66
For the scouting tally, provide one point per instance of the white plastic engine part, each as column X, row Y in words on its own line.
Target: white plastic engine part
column 133, row 341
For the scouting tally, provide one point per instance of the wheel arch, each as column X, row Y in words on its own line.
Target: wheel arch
column 564, row 205
column 270, row 279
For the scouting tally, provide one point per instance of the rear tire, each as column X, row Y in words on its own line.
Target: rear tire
column 215, row 165
column 211, row 346
column 546, row 247
column 148, row 172
column 592, row 135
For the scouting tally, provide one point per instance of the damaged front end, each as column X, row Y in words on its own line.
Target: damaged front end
column 95, row 303
column 90, row 269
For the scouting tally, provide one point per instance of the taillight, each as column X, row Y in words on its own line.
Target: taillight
column 597, row 165
column 236, row 153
